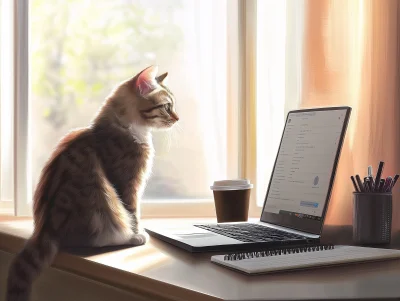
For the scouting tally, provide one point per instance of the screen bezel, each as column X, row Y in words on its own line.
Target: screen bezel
column 302, row 224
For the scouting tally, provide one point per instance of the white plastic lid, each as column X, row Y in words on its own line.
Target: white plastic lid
column 231, row 184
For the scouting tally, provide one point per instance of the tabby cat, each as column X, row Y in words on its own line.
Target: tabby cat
column 89, row 190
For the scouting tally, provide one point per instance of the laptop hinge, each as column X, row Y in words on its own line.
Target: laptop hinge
column 306, row 234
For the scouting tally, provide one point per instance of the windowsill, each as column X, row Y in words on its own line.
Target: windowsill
column 20, row 228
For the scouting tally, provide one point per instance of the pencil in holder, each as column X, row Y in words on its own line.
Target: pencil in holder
column 372, row 218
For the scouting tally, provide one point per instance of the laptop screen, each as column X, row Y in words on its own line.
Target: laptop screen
column 304, row 170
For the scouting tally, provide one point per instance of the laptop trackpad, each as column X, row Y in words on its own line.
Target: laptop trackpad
column 195, row 235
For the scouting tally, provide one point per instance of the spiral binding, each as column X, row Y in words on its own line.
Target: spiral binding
column 277, row 252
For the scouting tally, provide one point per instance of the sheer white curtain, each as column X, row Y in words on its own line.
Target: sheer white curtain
column 279, row 56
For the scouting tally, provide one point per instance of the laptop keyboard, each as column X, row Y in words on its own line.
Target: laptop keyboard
column 250, row 232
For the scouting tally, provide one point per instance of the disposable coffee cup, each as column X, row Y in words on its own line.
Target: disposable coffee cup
column 231, row 198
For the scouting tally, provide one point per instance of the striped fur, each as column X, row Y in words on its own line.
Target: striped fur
column 89, row 190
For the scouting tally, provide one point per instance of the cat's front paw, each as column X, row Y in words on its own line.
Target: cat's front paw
column 139, row 239
column 145, row 235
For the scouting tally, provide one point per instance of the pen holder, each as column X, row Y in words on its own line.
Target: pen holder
column 372, row 218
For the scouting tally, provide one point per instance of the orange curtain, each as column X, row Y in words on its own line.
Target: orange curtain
column 352, row 57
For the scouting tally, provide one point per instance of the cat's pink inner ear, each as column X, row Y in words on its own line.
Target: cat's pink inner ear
column 146, row 81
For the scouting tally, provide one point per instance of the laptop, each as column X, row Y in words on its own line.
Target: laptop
column 296, row 198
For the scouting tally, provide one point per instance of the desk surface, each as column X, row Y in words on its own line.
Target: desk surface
column 159, row 270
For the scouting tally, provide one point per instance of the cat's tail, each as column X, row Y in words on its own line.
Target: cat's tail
column 38, row 253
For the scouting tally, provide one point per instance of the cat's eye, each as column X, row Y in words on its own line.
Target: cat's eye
column 168, row 107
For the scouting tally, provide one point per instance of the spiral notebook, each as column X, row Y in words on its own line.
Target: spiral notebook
column 296, row 258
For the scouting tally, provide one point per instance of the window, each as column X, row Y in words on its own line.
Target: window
column 75, row 52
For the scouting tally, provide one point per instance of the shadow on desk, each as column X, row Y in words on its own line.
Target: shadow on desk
column 343, row 235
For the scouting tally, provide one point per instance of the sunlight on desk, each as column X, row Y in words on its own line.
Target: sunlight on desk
column 135, row 259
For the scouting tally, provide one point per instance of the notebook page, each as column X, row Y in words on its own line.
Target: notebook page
column 338, row 255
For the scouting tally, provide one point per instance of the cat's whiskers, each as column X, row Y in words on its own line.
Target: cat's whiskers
column 175, row 133
column 178, row 128
column 167, row 138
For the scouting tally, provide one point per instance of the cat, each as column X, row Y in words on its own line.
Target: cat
column 89, row 190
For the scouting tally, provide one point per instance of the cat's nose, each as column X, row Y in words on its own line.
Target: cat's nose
column 175, row 116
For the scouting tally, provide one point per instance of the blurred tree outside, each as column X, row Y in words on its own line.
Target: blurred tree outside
column 80, row 50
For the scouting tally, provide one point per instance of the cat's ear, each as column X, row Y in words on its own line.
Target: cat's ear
column 163, row 78
column 146, row 80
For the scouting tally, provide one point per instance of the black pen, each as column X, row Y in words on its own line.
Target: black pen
column 371, row 182
column 371, row 187
column 379, row 173
column 381, row 183
column 354, row 184
column 394, row 182
column 360, row 184
column 367, row 186
column 387, row 185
